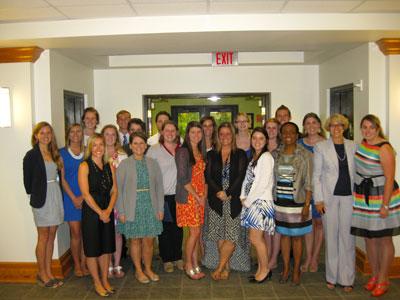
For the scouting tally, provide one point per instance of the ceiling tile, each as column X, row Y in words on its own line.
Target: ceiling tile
column 320, row 6
column 379, row 6
column 22, row 3
column 30, row 14
column 97, row 11
column 85, row 2
column 165, row 1
column 171, row 8
column 227, row 7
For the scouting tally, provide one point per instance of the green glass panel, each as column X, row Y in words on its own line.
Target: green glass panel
column 220, row 117
column 184, row 118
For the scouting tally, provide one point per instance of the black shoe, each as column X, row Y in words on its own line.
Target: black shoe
column 266, row 278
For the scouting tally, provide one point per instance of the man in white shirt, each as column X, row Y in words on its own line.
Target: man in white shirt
column 123, row 118
column 161, row 117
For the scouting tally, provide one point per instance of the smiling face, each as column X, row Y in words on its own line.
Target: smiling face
column 195, row 135
column 369, row 131
column 122, row 121
column 258, row 141
column 44, row 136
column 225, row 136
column 90, row 120
column 312, row 126
column 138, row 146
column 242, row 123
column 169, row 133
column 283, row 116
column 97, row 148
column 208, row 129
column 272, row 130
column 336, row 130
column 289, row 135
column 75, row 135
column 110, row 136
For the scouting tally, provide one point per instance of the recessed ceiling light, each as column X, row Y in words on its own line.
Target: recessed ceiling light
column 214, row 98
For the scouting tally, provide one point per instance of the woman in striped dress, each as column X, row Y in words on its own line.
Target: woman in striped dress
column 293, row 169
column 376, row 209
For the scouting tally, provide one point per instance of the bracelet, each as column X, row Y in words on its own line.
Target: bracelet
column 385, row 206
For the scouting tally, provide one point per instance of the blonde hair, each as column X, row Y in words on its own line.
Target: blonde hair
column 337, row 118
column 117, row 144
column 88, row 150
column 52, row 147
column 242, row 114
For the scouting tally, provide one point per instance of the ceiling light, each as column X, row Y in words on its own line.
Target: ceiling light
column 214, row 98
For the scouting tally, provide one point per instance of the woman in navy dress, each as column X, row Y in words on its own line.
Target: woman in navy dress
column 72, row 156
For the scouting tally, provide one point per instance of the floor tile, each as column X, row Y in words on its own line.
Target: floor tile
column 319, row 289
column 288, row 290
column 15, row 291
column 165, row 293
column 39, row 292
column 134, row 293
column 196, row 293
column 227, row 292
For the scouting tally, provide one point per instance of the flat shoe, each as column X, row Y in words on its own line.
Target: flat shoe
column 49, row 284
column 348, row 288
column 330, row 285
column 143, row 280
column 191, row 274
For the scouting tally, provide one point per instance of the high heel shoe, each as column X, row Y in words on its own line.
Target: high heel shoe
column 101, row 293
column 266, row 278
column 380, row 289
column 370, row 285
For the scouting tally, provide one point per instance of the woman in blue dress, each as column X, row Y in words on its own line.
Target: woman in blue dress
column 72, row 156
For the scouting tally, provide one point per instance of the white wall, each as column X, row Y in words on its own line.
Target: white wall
column 294, row 86
column 350, row 67
column 66, row 74
column 17, row 230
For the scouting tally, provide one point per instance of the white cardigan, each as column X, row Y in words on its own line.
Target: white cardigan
column 263, row 181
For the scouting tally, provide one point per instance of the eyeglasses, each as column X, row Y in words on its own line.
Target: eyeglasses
column 241, row 122
column 335, row 125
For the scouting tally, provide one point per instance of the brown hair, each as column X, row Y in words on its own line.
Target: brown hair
column 375, row 122
column 283, row 107
column 52, row 147
column 232, row 130
column 117, row 144
column 93, row 110
column 314, row 116
column 138, row 134
column 67, row 141
column 214, row 134
column 169, row 122
column 122, row 112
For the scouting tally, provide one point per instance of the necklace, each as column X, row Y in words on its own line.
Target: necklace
column 341, row 158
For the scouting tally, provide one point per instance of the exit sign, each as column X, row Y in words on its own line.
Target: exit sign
column 224, row 58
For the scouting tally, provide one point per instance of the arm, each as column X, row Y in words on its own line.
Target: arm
column 114, row 194
column 316, row 179
column 388, row 163
column 182, row 167
column 120, row 179
column 159, row 190
column 27, row 166
column 307, row 186
column 77, row 201
column 83, row 174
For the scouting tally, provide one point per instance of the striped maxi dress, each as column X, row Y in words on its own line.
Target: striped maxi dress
column 368, row 195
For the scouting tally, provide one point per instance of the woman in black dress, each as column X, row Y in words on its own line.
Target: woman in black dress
column 98, row 186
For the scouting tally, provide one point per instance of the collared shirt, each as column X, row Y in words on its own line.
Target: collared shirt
column 122, row 136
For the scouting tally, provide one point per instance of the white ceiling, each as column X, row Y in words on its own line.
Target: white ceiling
column 92, row 30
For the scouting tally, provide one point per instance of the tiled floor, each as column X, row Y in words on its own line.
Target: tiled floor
column 178, row 286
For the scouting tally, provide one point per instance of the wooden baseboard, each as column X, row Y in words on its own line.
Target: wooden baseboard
column 363, row 266
column 26, row 271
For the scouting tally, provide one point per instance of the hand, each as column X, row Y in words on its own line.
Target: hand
column 77, row 202
column 305, row 212
column 221, row 195
column 202, row 200
column 122, row 219
column 383, row 212
column 320, row 207
column 104, row 216
column 242, row 199
column 160, row 216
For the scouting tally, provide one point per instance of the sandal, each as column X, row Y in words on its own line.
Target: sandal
column 143, row 280
column 330, row 285
column 198, row 271
column 348, row 288
column 216, row 276
column 225, row 274
column 380, row 289
column 110, row 272
column 49, row 284
column 191, row 274
column 118, row 273
column 370, row 285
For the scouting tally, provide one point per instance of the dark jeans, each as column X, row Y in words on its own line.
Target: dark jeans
column 170, row 240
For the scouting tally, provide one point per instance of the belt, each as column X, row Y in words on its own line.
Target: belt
column 53, row 180
column 367, row 184
column 142, row 190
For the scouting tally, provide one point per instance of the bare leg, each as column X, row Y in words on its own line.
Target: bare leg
column 285, row 249
column 92, row 264
column 309, row 241
column 276, row 247
column 49, row 250
column 269, row 242
column 257, row 240
column 297, row 252
column 76, row 245
column 318, row 240
column 373, row 255
column 104, row 261
column 118, row 249
column 192, row 248
column 386, row 255
column 136, row 255
column 225, row 249
column 43, row 236
column 147, row 254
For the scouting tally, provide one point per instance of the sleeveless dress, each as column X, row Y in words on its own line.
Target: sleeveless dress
column 145, row 223
column 191, row 213
column 98, row 237
column 288, row 215
column 368, row 195
column 225, row 228
column 315, row 213
column 71, row 166
column 52, row 212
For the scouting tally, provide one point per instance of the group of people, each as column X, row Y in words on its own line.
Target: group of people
column 273, row 188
